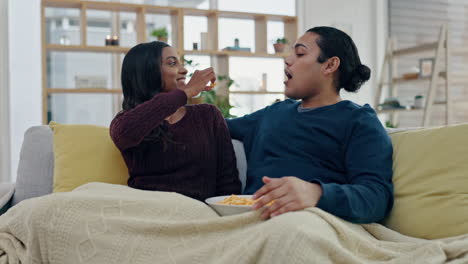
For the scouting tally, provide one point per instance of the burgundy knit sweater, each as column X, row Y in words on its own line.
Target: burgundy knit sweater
column 200, row 163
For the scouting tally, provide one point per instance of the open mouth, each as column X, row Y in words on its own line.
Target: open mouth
column 288, row 74
column 180, row 79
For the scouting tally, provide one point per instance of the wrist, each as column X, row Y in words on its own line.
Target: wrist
column 187, row 93
column 317, row 191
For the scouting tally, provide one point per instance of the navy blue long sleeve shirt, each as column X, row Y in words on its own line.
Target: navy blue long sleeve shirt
column 343, row 147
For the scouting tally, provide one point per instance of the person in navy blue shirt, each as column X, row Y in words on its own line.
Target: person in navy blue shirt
column 321, row 151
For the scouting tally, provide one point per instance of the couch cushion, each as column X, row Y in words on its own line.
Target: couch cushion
column 36, row 165
column 241, row 161
column 83, row 154
column 431, row 182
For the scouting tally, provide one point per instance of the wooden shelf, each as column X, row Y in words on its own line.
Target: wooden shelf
column 128, row 7
column 458, row 79
column 441, row 48
column 62, row 3
column 250, row 54
column 115, row 6
column 79, row 48
column 118, row 49
column 454, row 80
column 95, row 5
column 199, row 12
column 382, row 111
column 460, row 51
column 234, row 53
column 84, row 90
column 255, row 92
column 428, row 78
column 253, row 16
column 415, row 49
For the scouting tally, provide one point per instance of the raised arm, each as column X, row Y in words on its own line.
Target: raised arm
column 129, row 128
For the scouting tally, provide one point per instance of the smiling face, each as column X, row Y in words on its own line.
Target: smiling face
column 306, row 77
column 173, row 71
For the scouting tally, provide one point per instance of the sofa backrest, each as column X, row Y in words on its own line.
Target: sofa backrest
column 36, row 165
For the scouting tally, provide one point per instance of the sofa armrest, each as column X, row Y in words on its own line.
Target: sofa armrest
column 6, row 193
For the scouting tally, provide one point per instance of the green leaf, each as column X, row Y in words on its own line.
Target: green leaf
column 160, row 32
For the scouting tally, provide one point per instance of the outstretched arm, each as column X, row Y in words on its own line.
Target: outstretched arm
column 129, row 128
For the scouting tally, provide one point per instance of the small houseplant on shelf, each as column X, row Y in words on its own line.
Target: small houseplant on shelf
column 161, row 34
column 222, row 102
column 389, row 124
column 280, row 45
column 211, row 97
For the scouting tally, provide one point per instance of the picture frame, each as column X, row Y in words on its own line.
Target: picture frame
column 426, row 67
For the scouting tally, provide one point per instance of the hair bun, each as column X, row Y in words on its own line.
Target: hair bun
column 363, row 72
column 359, row 76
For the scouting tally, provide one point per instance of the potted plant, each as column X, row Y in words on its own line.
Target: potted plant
column 222, row 102
column 161, row 34
column 211, row 97
column 389, row 124
column 280, row 45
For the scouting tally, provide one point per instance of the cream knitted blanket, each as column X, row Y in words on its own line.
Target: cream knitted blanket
column 102, row 223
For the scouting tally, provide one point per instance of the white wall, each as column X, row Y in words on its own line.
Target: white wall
column 368, row 23
column 24, row 33
column 4, row 96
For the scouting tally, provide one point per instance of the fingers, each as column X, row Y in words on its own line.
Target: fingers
column 268, row 213
column 299, row 195
column 266, row 179
column 205, row 75
column 270, row 184
column 206, row 72
column 275, row 194
column 289, row 207
column 211, row 77
column 278, row 204
column 199, row 81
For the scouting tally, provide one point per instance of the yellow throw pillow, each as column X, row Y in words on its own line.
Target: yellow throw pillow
column 83, row 154
column 430, row 175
